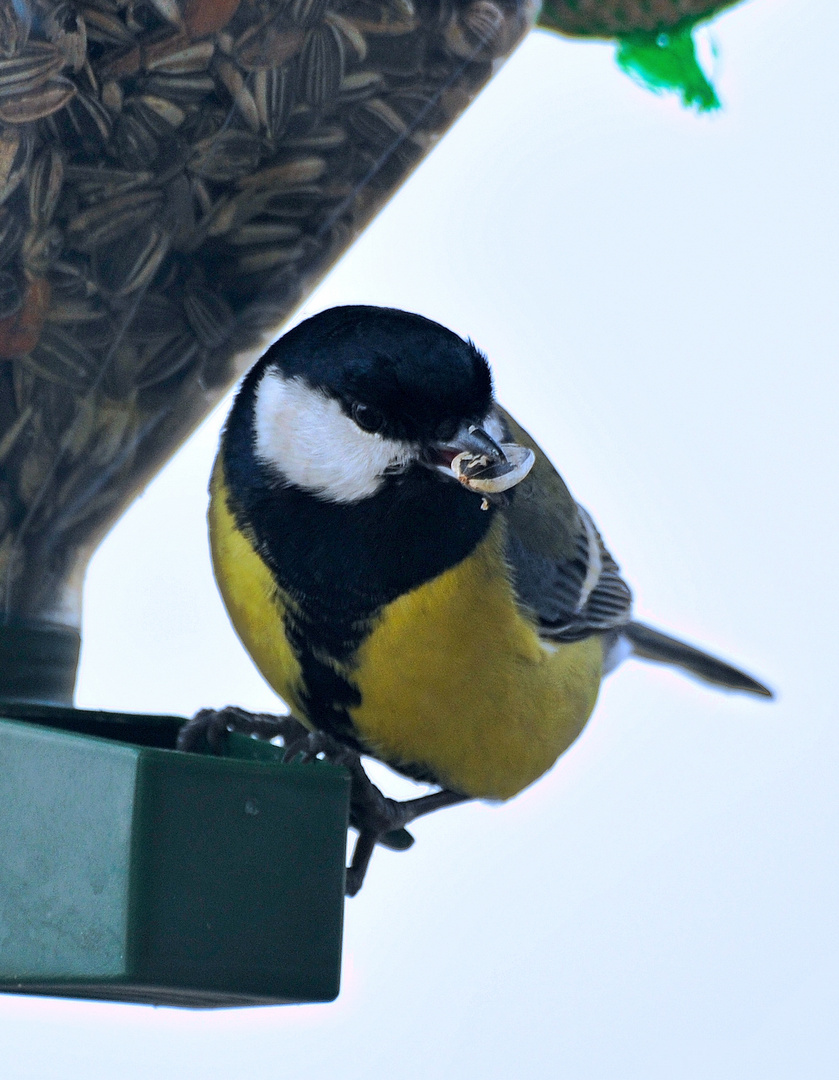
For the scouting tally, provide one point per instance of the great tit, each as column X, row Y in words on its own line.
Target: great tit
column 405, row 566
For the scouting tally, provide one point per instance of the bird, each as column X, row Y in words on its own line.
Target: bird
column 408, row 570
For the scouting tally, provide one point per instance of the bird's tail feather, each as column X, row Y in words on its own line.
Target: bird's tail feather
column 651, row 644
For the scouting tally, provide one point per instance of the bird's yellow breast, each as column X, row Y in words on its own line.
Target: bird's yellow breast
column 253, row 601
column 453, row 676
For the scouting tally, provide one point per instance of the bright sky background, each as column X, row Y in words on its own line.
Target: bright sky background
column 657, row 294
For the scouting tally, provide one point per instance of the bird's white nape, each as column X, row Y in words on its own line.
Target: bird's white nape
column 307, row 438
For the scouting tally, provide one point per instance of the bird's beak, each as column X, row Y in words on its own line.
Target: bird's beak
column 481, row 464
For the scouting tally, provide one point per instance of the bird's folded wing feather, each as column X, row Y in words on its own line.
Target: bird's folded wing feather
column 560, row 566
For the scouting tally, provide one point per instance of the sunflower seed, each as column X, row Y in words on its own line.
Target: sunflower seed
column 94, row 182
column 169, row 10
column 15, row 24
column 36, row 104
column 156, row 319
column 273, row 93
column 233, row 81
column 321, row 65
column 377, row 123
column 286, row 174
column 307, row 12
column 182, row 90
column 323, row 139
column 209, row 315
column 170, row 113
column 85, row 123
column 261, row 48
column 172, row 359
column 476, row 29
column 15, row 155
column 111, row 219
column 178, row 56
column 112, row 96
column 350, row 31
column 31, row 68
column 45, row 180
column 73, row 312
column 40, row 248
column 136, row 147
column 226, row 156
column 360, row 84
column 105, row 27
column 60, row 358
column 257, row 260
column 65, row 28
column 129, row 265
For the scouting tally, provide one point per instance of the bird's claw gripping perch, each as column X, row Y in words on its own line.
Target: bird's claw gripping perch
column 376, row 818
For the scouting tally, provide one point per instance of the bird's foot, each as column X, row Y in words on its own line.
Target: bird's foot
column 380, row 820
column 376, row 818
column 209, row 729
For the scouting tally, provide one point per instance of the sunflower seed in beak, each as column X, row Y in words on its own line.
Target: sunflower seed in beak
column 478, row 473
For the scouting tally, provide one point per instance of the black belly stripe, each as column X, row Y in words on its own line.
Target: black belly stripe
column 328, row 694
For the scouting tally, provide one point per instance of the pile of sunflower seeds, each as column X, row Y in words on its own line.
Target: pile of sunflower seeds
column 175, row 175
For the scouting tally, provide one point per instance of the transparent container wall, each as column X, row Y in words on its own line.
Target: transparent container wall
column 175, row 176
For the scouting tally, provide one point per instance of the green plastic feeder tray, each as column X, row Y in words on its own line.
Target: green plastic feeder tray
column 133, row 872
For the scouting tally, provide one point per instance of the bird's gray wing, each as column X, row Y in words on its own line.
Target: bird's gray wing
column 559, row 564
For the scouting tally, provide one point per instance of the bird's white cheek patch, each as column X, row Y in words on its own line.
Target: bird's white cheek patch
column 306, row 437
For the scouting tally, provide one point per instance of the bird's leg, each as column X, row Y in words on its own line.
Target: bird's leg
column 376, row 818
column 380, row 820
column 209, row 728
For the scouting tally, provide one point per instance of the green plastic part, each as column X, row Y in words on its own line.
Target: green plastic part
column 668, row 62
column 136, row 873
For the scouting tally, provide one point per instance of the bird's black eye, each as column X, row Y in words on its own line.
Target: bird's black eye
column 367, row 417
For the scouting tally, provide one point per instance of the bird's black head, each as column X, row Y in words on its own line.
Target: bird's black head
column 362, row 452
column 397, row 374
column 357, row 398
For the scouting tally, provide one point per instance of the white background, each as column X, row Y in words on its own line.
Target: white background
column 657, row 294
